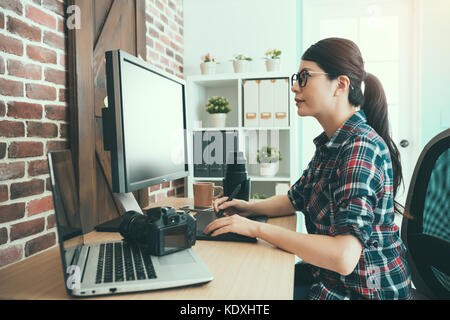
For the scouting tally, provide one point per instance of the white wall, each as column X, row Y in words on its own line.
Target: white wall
column 228, row 27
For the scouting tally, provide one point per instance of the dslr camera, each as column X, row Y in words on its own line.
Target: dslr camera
column 159, row 231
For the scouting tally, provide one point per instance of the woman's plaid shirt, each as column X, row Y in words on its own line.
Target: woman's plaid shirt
column 348, row 189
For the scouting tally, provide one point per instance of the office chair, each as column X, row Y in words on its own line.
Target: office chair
column 427, row 235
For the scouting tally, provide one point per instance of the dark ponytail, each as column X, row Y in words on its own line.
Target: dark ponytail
column 376, row 109
column 338, row 57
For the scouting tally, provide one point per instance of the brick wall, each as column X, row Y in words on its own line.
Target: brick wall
column 165, row 50
column 34, row 112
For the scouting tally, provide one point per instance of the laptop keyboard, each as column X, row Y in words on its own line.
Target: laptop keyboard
column 121, row 261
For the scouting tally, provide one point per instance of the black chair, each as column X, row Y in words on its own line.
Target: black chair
column 427, row 235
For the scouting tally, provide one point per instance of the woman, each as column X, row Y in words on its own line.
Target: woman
column 352, row 249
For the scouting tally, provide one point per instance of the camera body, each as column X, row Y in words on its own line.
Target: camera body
column 160, row 231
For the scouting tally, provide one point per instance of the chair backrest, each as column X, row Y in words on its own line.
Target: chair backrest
column 427, row 235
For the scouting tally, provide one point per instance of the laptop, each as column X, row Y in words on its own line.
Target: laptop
column 110, row 267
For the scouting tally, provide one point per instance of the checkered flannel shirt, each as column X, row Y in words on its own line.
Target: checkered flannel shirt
column 348, row 189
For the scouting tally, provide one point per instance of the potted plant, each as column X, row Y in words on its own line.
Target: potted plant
column 208, row 65
column 217, row 107
column 273, row 60
column 240, row 63
column 268, row 158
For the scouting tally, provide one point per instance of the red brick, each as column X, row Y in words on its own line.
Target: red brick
column 37, row 168
column 62, row 60
column 57, row 112
column 2, row 109
column 51, row 221
column 155, row 187
column 24, row 70
column 26, row 189
column 25, row 149
column 12, row 212
column 55, row 76
column 2, row 20
column 48, row 186
column 42, row 129
column 10, row 254
column 24, row 30
column 11, row 45
column 40, row 92
column 26, row 229
column 40, row 243
column 2, row 150
column 63, row 131
column 2, row 66
column 11, row 129
column 24, row 110
column 13, row 5
column 13, row 170
column 61, row 25
column 54, row 5
column 11, row 88
column 4, row 193
column 3, row 236
column 39, row 16
column 54, row 40
column 41, row 54
column 57, row 145
column 179, row 58
column 40, row 205
column 62, row 95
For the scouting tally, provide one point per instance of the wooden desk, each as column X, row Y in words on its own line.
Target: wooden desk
column 241, row 271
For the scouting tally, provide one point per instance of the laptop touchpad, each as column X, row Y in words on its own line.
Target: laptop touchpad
column 181, row 257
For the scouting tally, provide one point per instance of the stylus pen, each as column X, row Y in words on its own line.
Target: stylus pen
column 232, row 195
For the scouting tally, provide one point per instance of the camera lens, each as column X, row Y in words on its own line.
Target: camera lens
column 133, row 227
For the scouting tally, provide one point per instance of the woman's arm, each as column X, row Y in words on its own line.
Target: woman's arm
column 340, row 253
column 275, row 206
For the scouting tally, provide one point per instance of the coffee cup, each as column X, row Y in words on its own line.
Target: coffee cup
column 204, row 194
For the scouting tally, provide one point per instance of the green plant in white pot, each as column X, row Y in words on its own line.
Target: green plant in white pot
column 241, row 63
column 269, row 159
column 208, row 65
column 217, row 107
column 273, row 60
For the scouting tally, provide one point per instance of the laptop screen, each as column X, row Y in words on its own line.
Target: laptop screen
column 65, row 197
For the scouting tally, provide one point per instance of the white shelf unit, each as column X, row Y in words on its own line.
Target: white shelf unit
column 200, row 88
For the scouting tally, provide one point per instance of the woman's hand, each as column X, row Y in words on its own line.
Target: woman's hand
column 235, row 224
column 235, row 206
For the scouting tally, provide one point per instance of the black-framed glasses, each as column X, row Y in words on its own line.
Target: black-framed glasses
column 302, row 77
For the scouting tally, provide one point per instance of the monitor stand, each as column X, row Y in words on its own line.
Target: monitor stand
column 128, row 203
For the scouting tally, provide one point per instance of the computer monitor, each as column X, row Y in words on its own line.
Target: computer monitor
column 144, row 125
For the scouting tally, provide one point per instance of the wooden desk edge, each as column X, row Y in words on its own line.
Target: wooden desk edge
column 15, row 280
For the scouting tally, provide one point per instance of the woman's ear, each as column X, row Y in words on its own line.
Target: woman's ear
column 343, row 83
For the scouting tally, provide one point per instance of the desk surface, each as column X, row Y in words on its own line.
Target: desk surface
column 241, row 270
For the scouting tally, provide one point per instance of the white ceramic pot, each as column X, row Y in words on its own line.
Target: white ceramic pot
column 240, row 66
column 208, row 67
column 269, row 169
column 273, row 65
column 217, row 120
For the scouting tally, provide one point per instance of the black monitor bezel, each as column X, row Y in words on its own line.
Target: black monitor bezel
column 113, row 130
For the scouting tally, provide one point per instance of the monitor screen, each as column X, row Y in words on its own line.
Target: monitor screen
column 149, row 145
